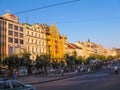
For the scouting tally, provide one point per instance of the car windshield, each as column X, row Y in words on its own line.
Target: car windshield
column 5, row 85
column 16, row 84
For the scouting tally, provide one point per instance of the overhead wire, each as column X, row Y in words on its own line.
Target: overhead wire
column 52, row 5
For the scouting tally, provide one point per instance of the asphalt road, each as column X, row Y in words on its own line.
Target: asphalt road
column 94, row 81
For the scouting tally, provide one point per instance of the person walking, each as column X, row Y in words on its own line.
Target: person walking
column 15, row 74
column 116, row 69
column 62, row 72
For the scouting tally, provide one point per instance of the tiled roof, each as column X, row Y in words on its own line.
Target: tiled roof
column 73, row 46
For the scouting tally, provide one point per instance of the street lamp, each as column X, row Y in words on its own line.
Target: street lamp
column 18, row 52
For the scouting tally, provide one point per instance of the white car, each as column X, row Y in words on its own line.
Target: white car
column 6, row 84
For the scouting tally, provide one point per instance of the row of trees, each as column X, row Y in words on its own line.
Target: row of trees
column 43, row 61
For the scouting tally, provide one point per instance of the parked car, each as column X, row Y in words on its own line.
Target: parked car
column 7, row 84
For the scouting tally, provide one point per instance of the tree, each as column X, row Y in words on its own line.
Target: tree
column 42, row 61
column 70, row 60
column 62, row 64
column 79, row 60
column 89, row 58
column 26, row 61
column 11, row 62
column 74, row 54
column 110, row 57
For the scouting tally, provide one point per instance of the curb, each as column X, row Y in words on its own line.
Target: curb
column 51, row 80
column 62, row 77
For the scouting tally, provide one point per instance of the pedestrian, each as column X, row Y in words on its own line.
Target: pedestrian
column 15, row 74
column 62, row 72
column 116, row 69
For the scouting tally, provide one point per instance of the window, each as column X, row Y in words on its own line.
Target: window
column 42, row 36
column 36, row 42
column 21, row 29
column 42, row 42
column 21, row 35
column 39, row 42
column 32, row 40
column 32, row 50
column 4, row 85
column 1, row 85
column 28, row 48
column 10, row 26
column 16, row 27
column 28, row 40
column 27, row 32
column 15, row 40
column 36, row 34
column 32, row 33
column 10, row 32
column 16, row 84
column 21, row 41
column 16, row 34
column 10, row 39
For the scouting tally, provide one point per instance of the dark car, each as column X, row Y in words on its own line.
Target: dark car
column 7, row 84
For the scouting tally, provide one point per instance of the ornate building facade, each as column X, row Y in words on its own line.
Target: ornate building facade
column 56, row 44
column 35, row 40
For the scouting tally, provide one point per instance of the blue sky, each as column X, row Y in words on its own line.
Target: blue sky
column 98, row 20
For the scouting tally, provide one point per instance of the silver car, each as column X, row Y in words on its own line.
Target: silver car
column 6, row 84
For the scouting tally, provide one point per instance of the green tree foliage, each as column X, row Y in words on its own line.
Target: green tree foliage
column 117, row 57
column 95, row 57
column 110, row 58
column 62, row 64
column 55, row 64
column 12, row 62
column 25, row 60
column 42, row 61
column 74, row 54
column 79, row 60
column 70, row 60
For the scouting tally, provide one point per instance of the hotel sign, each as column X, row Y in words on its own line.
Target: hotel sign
column 11, row 17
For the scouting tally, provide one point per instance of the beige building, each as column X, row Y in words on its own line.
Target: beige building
column 74, row 48
column 12, row 35
column 2, row 38
column 88, row 48
column 35, row 40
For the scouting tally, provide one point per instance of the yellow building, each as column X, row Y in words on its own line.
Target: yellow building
column 12, row 35
column 35, row 40
column 56, row 43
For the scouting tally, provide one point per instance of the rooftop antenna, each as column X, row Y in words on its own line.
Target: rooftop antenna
column 7, row 11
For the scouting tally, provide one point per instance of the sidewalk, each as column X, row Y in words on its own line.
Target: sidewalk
column 36, row 79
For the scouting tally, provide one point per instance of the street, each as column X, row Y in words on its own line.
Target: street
column 95, row 81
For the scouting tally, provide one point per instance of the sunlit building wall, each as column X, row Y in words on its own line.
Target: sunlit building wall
column 12, row 32
column 2, row 38
column 56, row 42
column 35, row 40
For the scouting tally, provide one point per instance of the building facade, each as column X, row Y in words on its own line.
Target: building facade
column 12, row 35
column 56, row 43
column 2, row 38
column 85, row 49
column 35, row 40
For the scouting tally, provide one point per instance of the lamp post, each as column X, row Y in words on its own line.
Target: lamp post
column 18, row 52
